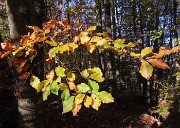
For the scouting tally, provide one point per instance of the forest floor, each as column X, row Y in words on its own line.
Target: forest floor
column 127, row 113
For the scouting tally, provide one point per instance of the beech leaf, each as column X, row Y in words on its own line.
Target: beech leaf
column 65, row 94
column 158, row 63
column 53, row 51
column 93, row 85
column 105, row 97
column 34, row 82
column 50, row 76
column 68, row 104
column 54, row 88
column 79, row 98
column 87, row 101
column 146, row 69
column 63, row 86
column 71, row 76
column 83, row 87
column 60, row 71
column 146, row 51
column 96, row 102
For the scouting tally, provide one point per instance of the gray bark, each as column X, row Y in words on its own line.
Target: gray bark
column 22, row 13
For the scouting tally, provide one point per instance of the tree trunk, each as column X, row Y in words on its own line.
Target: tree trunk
column 22, row 13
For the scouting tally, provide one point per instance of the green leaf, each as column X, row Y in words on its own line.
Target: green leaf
column 34, row 82
column 63, row 86
column 105, row 97
column 71, row 76
column 54, row 88
column 83, row 87
column 60, row 71
column 146, row 69
column 65, row 94
column 93, row 85
column 42, row 84
column 46, row 92
column 68, row 104
column 53, row 51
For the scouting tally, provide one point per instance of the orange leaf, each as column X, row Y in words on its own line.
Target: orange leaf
column 35, row 28
column 162, row 52
column 158, row 63
column 91, row 28
column 72, row 86
column 19, row 69
column 7, row 46
column 50, row 24
column 24, row 75
column 4, row 54
column 24, row 40
column 76, row 109
column 146, row 69
column 175, row 49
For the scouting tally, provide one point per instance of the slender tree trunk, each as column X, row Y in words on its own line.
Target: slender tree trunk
column 22, row 13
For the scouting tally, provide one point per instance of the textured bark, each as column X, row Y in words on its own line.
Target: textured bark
column 22, row 13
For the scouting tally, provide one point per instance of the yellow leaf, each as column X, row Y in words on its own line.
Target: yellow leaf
column 34, row 82
column 96, row 102
column 71, row 76
column 85, row 73
column 146, row 69
column 87, row 101
column 50, row 76
column 63, row 86
column 135, row 55
column 90, row 47
column 52, row 43
column 72, row 46
column 95, row 39
column 85, row 39
column 102, row 42
column 79, row 98
column 63, row 48
column 146, row 51
column 91, row 28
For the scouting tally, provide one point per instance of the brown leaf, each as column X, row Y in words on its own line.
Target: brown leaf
column 19, row 69
column 158, row 63
column 4, row 54
column 24, row 75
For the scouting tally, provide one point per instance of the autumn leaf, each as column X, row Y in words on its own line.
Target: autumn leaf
column 158, row 63
column 72, row 86
column 175, row 49
column 146, row 51
column 4, row 54
column 135, row 55
column 24, row 40
column 105, row 97
column 63, row 86
column 34, row 82
column 102, row 42
column 41, row 85
column 63, row 48
column 72, row 46
column 60, row 71
column 90, row 47
column 96, row 102
column 119, row 43
column 79, row 98
column 19, row 69
column 46, row 92
column 87, row 101
column 83, row 87
column 71, row 76
column 146, row 69
column 96, row 74
column 35, row 28
column 91, row 28
column 50, row 76
column 50, row 24
column 95, row 39
column 53, row 51
column 7, row 46
column 24, row 75
column 85, row 73
column 51, row 43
